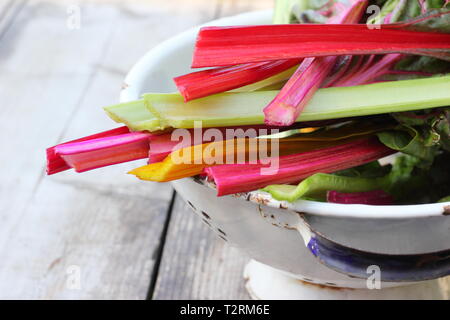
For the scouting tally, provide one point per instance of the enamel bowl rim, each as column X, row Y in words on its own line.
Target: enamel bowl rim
column 137, row 75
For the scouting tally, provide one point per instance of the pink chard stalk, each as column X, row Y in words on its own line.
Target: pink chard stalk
column 100, row 150
column 293, row 97
column 55, row 162
column 376, row 197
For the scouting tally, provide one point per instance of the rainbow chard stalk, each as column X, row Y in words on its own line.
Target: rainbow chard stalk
column 221, row 46
column 376, row 197
column 207, row 82
column 234, row 178
column 161, row 146
column 164, row 144
column 225, row 109
column 104, row 149
column 55, row 163
column 370, row 72
column 293, row 97
column 204, row 83
column 373, row 68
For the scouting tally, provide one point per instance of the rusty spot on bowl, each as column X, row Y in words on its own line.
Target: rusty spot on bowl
column 323, row 286
column 282, row 206
column 260, row 199
column 125, row 85
column 287, row 226
column 446, row 211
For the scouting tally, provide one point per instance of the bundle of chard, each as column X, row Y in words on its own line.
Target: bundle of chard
column 303, row 109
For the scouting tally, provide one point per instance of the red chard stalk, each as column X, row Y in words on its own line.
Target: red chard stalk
column 204, row 83
column 234, row 178
column 376, row 197
column 221, row 46
column 293, row 97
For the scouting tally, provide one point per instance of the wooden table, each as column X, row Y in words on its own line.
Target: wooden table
column 101, row 234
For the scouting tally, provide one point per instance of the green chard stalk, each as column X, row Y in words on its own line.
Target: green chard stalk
column 168, row 110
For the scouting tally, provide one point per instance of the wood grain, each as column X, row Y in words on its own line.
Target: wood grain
column 8, row 12
column 196, row 264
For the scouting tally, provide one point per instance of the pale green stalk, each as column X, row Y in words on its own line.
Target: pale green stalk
column 134, row 115
column 235, row 109
column 317, row 185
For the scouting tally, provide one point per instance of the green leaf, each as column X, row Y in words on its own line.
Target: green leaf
column 445, row 199
column 442, row 127
column 396, row 10
column 403, row 10
column 368, row 170
column 423, row 64
column 408, row 140
column 437, row 20
column 433, row 125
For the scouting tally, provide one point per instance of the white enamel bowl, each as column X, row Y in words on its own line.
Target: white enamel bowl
column 409, row 243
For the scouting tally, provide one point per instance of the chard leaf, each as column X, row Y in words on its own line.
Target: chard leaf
column 445, row 199
column 415, row 184
column 311, row 16
column 434, row 125
column 437, row 20
column 400, row 10
column 409, row 141
column 394, row 11
column 370, row 170
column 423, row 64
column 442, row 127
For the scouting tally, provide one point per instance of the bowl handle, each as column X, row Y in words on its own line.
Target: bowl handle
column 361, row 264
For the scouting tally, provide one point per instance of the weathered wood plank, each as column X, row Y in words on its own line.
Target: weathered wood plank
column 195, row 263
column 103, row 226
column 8, row 11
column 4, row 7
